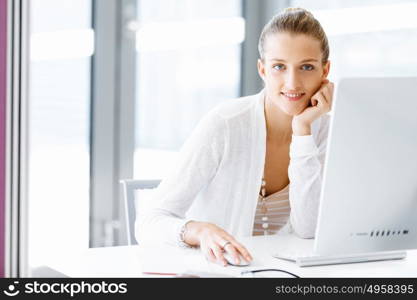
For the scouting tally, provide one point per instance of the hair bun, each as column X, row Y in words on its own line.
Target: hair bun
column 293, row 9
column 297, row 10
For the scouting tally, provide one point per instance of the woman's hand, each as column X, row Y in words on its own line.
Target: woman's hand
column 321, row 103
column 214, row 242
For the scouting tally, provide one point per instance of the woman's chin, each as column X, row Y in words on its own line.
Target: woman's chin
column 291, row 110
column 288, row 107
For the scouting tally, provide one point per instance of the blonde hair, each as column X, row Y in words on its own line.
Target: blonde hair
column 295, row 21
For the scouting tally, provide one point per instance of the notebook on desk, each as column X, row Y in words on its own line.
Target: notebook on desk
column 368, row 198
column 170, row 261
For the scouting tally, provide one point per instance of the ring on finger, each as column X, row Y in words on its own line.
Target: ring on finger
column 225, row 244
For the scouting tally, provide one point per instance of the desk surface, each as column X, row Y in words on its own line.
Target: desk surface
column 131, row 261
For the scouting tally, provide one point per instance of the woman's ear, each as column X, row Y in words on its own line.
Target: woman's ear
column 326, row 69
column 261, row 69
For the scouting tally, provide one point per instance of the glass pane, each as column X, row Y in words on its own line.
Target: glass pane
column 188, row 60
column 61, row 44
column 368, row 37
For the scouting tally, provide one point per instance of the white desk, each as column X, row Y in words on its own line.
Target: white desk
column 130, row 261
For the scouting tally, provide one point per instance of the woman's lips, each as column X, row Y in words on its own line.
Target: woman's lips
column 293, row 96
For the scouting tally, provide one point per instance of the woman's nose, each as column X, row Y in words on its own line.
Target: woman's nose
column 292, row 81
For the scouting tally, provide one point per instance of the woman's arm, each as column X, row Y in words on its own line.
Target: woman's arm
column 197, row 164
column 199, row 159
column 305, row 173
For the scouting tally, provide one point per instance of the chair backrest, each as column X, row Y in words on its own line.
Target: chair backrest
column 129, row 188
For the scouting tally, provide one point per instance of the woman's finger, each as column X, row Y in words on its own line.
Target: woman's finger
column 239, row 248
column 328, row 91
column 218, row 253
column 207, row 252
column 320, row 97
column 326, row 95
column 210, row 255
column 242, row 250
column 325, row 101
column 331, row 88
column 317, row 98
column 233, row 252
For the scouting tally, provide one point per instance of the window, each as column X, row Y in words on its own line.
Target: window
column 188, row 60
column 364, row 36
column 61, row 45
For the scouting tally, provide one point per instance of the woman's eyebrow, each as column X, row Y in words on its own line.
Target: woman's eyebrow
column 303, row 61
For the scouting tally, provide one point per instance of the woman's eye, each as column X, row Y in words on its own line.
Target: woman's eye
column 307, row 67
column 279, row 67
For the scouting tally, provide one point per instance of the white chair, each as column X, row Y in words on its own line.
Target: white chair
column 129, row 188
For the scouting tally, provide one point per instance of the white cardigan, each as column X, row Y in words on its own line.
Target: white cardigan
column 219, row 172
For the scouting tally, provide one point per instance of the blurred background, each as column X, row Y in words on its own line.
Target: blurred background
column 116, row 86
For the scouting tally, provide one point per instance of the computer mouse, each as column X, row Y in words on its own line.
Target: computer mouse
column 230, row 260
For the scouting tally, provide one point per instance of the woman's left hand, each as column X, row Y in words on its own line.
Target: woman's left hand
column 321, row 103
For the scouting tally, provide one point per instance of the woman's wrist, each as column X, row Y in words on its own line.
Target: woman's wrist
column 300, row 128
column 191, row 233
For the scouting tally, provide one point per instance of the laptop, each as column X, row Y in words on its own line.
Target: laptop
column 368, row 204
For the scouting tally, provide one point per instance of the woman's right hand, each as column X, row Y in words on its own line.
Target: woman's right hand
column 214, row 241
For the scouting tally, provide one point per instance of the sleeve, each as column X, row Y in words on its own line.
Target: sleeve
column 305, row 173
column 197, row 164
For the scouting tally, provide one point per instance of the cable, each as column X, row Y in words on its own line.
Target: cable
column 268, row 270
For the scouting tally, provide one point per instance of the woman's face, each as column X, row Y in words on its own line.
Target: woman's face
column 292, row 71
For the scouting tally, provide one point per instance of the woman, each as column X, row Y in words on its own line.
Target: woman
column 254, row 165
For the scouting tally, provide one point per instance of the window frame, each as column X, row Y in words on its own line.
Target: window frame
column 112, row 118
column 16, row 139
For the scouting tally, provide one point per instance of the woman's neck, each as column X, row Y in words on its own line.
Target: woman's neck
column 278, row 124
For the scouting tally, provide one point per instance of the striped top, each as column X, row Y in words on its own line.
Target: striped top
column 278, row 212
